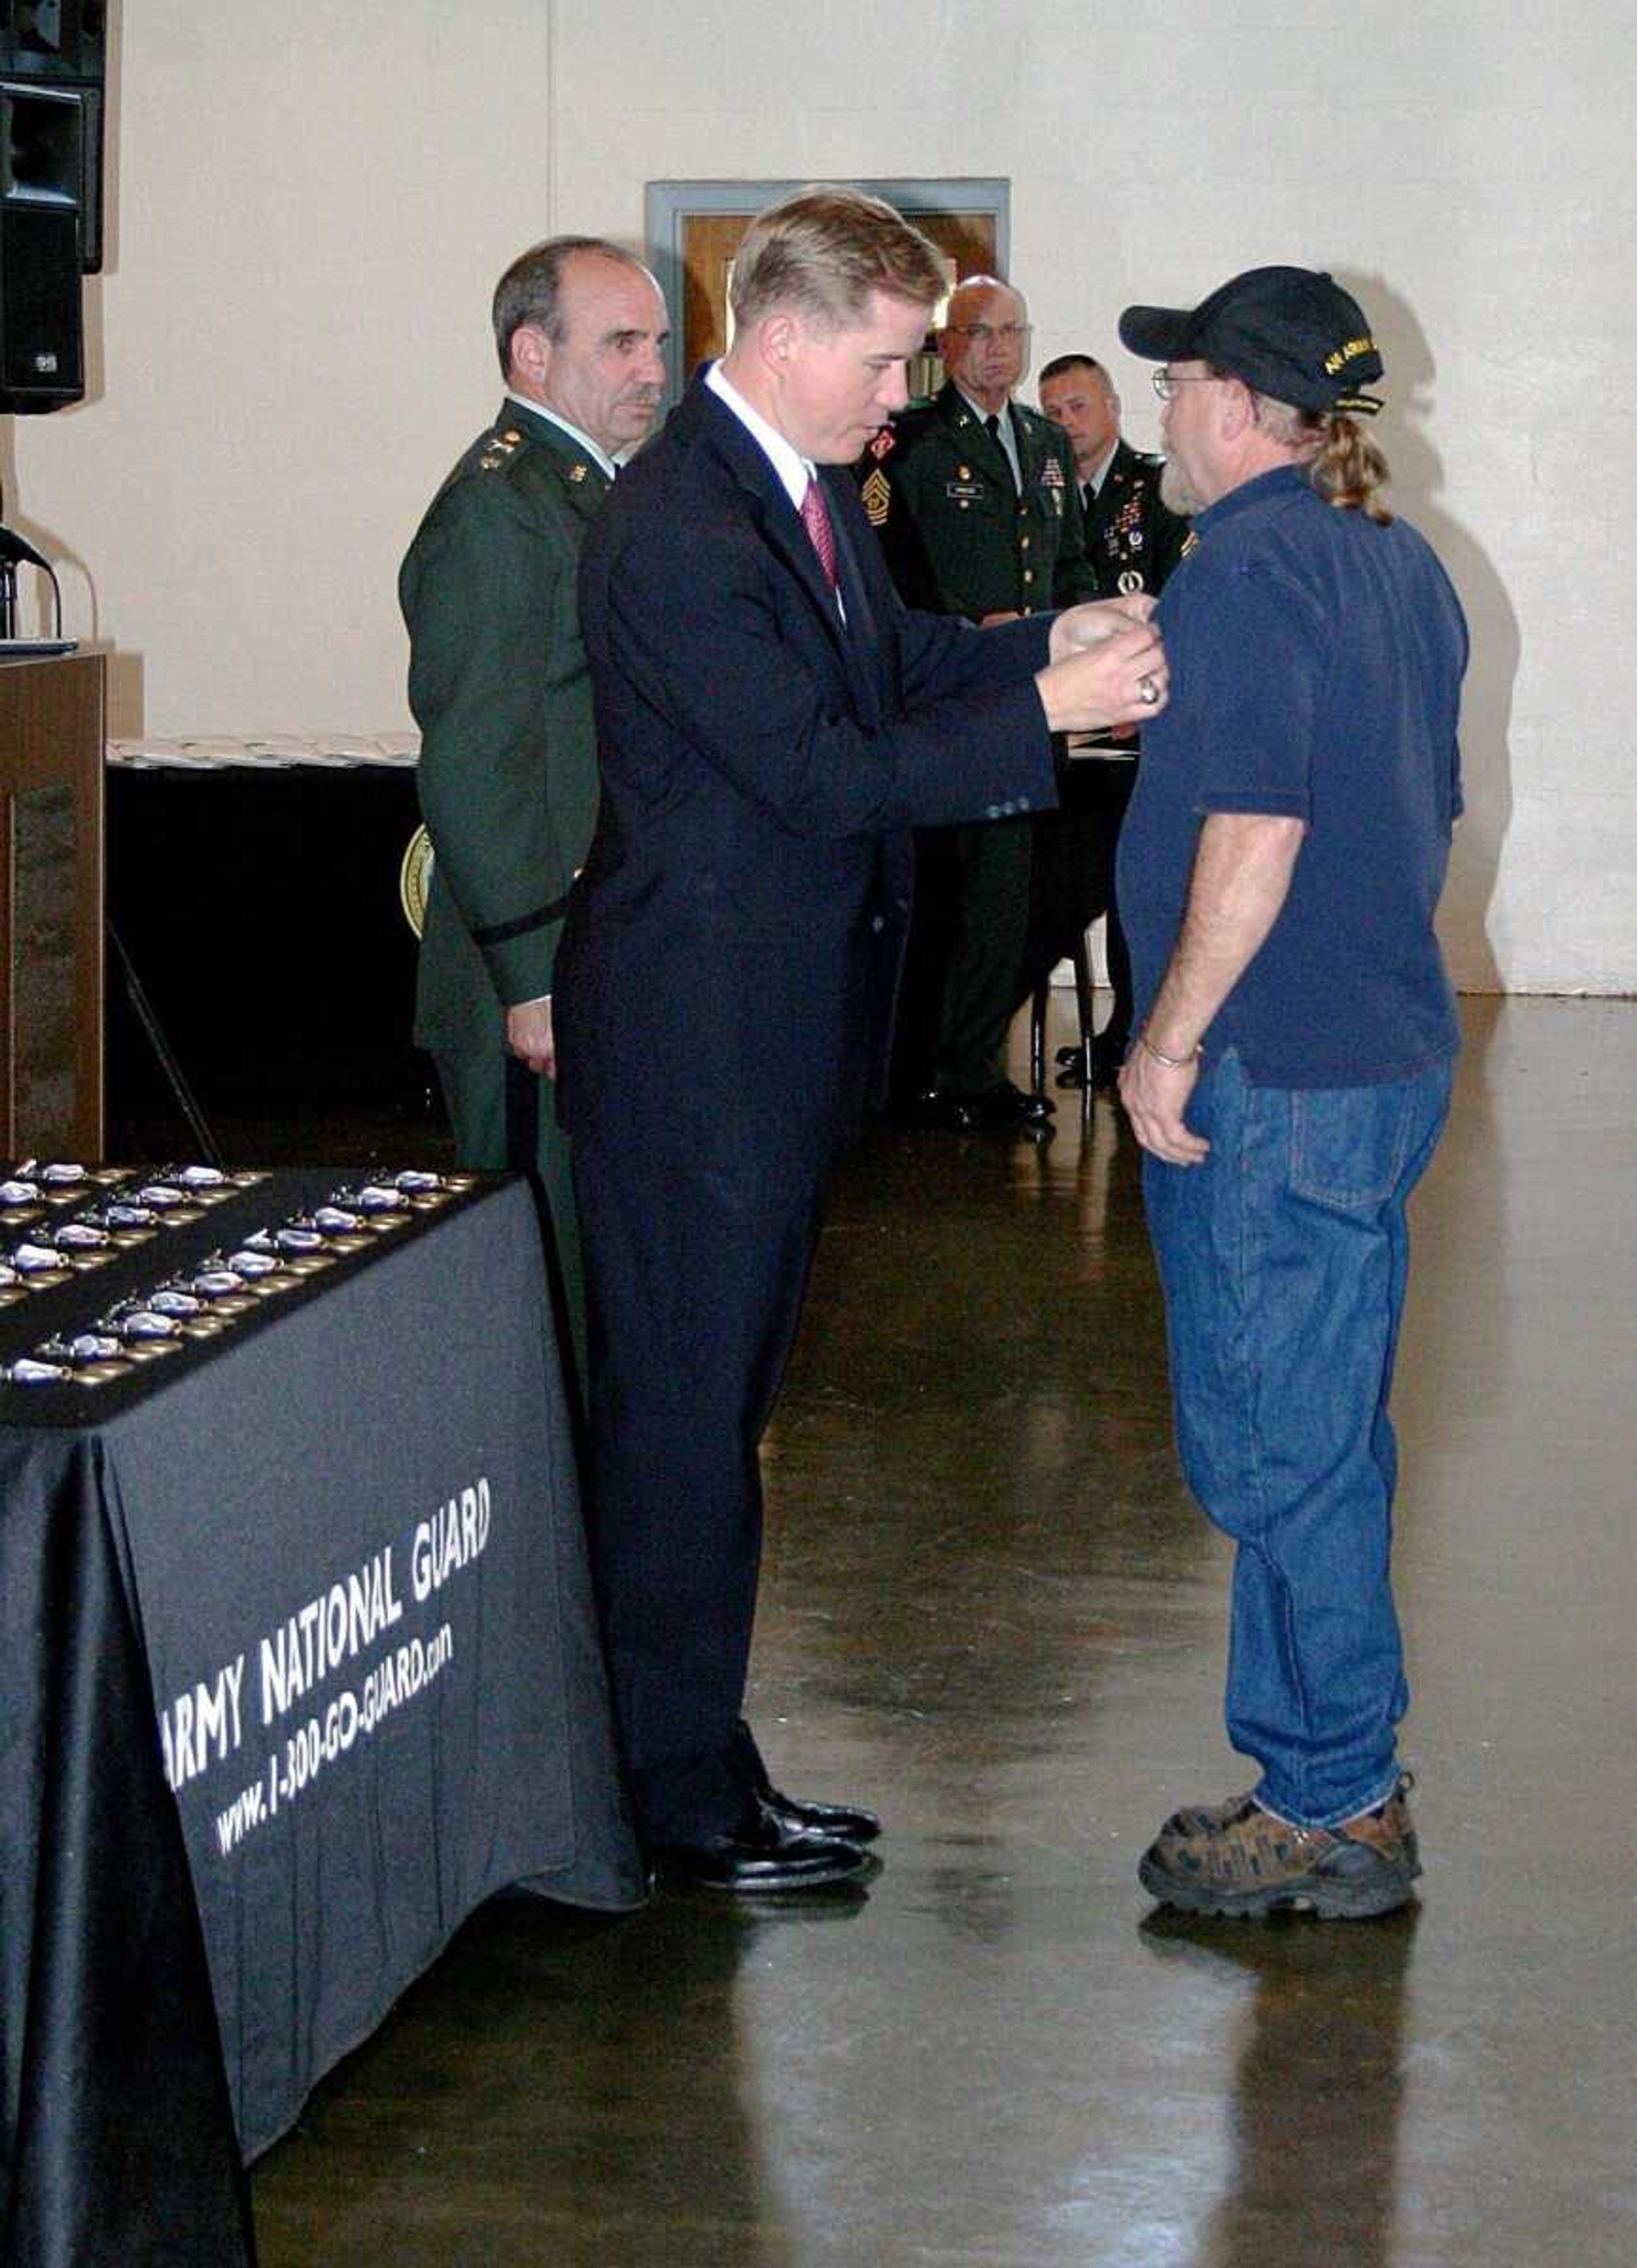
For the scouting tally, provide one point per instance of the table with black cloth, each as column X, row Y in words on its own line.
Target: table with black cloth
column 266, row 900
column 335, row 1548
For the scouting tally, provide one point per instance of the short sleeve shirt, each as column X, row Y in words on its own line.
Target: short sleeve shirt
column 1316, row 659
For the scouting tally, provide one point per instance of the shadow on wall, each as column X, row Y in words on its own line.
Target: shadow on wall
column 1406, row 431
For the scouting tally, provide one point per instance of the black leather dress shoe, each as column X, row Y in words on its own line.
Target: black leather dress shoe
column 765, row 1855
column 934, row 1106
column 1106, row 1058
column 1003, row 1109
column 849, row 1821
column 1031, row 1109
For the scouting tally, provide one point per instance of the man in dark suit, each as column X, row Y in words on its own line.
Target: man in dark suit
column 975, row 502
column 769, row 723
column 499, row 688
column 1132, row 541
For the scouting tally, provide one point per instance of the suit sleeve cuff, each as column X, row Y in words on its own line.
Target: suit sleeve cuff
column 520, row 968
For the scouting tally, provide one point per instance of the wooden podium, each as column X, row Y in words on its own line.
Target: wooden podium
column 51, row 759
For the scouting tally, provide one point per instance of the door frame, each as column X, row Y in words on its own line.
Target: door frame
column 668, row 204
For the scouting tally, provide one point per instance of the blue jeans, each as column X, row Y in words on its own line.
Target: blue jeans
column 1284, row 1259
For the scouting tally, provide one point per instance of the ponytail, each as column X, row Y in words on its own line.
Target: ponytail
column 1349, row 468
column 1343, row 464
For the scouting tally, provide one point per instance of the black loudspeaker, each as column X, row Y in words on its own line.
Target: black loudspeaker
column 41, row 172
column 62, row 44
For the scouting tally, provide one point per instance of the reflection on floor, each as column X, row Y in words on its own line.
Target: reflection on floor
column 991, row 1609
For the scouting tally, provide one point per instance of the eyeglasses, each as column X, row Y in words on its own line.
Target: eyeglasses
column 1166, row 382
column 980, row 334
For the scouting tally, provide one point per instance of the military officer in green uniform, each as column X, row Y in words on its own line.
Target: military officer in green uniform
column 975, row 500
column 1132, row 542
column 499, row 687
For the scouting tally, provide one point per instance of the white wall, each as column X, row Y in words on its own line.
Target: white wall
column 314, row 203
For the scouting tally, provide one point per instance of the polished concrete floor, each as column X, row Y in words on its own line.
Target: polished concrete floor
column 991, row 1609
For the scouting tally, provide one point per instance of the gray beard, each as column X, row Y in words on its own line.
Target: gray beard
column 1175, row 493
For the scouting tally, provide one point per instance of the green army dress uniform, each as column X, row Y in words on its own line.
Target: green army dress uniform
column 962, row 538
column 959, row 536
column 1133, row 541
column 507, row 779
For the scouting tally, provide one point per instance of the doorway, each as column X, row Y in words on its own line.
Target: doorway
column 695, row 229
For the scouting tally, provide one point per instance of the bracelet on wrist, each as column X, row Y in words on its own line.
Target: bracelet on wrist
column 1171, row 1063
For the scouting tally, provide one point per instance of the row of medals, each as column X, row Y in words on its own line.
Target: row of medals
column 199, row 1304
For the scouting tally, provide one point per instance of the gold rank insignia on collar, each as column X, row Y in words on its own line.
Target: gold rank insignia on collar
column 578, row 472
column 500, row 447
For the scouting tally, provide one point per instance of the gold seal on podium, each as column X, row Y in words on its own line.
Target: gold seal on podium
column 414, row 878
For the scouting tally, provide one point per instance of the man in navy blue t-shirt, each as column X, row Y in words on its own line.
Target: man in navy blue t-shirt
column 1278, row 873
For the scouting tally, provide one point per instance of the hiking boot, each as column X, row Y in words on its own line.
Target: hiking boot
column 1237, row 1858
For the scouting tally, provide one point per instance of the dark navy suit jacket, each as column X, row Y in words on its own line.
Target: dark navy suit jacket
column 724, row 985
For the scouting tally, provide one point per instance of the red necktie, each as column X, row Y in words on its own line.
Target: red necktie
column 815, row 519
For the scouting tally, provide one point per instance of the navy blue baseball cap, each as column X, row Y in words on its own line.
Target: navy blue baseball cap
column 1290, row 333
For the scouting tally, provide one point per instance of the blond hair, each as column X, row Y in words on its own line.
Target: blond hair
column 1343, row 464
column 822, row 254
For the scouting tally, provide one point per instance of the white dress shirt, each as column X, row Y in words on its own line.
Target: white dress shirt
column 795, row 472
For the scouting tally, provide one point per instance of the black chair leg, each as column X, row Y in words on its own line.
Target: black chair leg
column 1087, row 1014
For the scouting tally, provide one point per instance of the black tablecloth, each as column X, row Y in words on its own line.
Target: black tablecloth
column 337, row 1547
column 262, row 915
